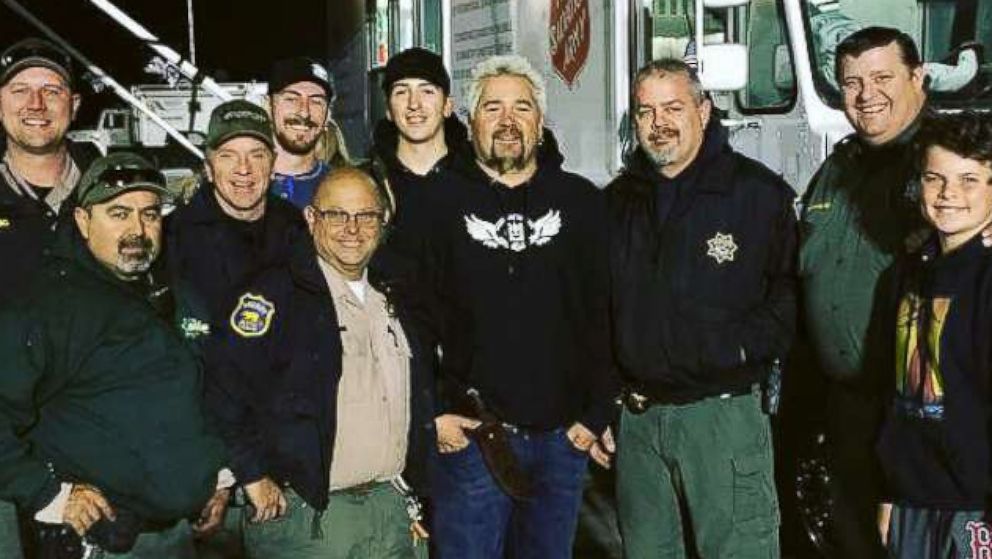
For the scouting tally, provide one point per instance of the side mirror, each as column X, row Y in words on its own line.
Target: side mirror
column 783, row 77
column 723, row 67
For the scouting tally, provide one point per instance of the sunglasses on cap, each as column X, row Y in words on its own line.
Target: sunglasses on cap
column 118, row 177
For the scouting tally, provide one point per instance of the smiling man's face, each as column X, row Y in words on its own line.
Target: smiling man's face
column 36, row 108
column 882, row 95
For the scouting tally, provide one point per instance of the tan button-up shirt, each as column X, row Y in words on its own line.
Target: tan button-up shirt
column 373, row 415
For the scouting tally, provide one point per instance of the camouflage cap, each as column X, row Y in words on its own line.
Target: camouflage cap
column 238, row 118
column 117, row 173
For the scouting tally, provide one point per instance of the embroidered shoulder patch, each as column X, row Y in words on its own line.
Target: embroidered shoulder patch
column 253, row 316
column 193, row 328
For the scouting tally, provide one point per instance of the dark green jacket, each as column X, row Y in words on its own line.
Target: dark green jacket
column 97, row 387
column 856, row 217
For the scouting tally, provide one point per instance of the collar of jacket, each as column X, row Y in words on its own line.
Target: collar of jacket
column 386, row 139
column 710, row 171
column 69, row 245
column 306, row 272
column 203, row 207
column 853, row 145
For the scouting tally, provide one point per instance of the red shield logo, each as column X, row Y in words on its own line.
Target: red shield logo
column 569, row 33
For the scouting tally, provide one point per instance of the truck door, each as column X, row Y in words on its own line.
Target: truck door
column 764, row 119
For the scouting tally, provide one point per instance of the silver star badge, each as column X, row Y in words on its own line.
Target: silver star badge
column 721, row 248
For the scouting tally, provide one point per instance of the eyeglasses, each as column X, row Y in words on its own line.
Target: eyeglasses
column 117, row 177
column 339, row 218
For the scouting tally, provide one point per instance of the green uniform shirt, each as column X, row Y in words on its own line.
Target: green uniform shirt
column 855, row 219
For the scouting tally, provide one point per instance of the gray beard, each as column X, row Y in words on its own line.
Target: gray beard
column 134, row 265
column 660, row 158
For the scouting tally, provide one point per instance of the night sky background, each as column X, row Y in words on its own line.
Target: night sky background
column 235, row 41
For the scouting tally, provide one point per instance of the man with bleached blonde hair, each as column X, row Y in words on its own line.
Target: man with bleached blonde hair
column 525, row 385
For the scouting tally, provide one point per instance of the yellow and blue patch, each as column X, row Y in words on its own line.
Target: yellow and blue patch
column 253, row 316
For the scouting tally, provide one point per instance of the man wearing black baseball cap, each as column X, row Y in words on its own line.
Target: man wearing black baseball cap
column 232, row 228
column 301, row 92
column 414, row 142
column 39, row 167
column 102, row 432
column 38, row 170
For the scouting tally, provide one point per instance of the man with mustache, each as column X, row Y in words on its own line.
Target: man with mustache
column 519, row 253
column 232, row 228
column 301, row 94
column 320, row 387
column 702, row 248
column 38, row 172
column 102, row 432
column 855, row 219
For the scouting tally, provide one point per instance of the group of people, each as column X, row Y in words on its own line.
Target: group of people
column 420, row 355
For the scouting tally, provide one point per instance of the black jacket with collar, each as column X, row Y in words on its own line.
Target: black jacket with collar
column 273, row 396
column 27, row 226
column 705, row 298
column 216, row 254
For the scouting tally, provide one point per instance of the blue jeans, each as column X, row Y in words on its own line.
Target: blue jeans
column 475, row 519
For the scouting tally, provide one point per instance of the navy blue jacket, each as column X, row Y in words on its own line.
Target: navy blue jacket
column 274, row 395
column 704, row 276
column 216, row 254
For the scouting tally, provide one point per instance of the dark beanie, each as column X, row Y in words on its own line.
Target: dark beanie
column 416, row 63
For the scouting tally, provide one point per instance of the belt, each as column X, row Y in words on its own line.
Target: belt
column 638, row 400
column 360, row 490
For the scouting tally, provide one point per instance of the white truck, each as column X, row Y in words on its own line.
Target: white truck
column 130, row 128
column 786, row 112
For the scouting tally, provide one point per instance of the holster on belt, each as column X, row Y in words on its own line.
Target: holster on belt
column 496, row 451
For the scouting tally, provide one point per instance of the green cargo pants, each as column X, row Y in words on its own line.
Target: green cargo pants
column 700, row 477
column 227, row 542
column 10, row 539
column 174, row 543
column 369, row 524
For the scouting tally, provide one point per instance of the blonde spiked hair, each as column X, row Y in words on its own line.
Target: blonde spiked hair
column 505, row 65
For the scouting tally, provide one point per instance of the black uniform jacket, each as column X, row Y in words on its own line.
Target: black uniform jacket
column 216, row 254
column 704, row 293
column 274, row 394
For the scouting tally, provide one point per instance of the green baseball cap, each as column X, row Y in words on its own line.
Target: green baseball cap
column 117, row 173
column 238, row 118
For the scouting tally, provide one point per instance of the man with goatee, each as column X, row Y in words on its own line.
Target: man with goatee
column 520, row 254
column 102, row 434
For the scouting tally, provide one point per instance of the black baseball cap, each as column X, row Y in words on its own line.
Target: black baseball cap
column 416, row 63
column 238, row 118
column 119, row 172
column 34, row 52
column 288, row 71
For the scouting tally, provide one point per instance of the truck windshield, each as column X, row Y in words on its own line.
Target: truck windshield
column 953, row 36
